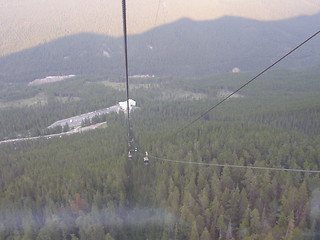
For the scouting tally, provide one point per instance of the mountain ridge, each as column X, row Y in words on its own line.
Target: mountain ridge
column 27, row 24
column 183, row 48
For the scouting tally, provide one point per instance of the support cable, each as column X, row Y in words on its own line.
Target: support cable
column 124, row 16
column 234, row 166
column 155, row 22
column 247, row 83
column 223, row 100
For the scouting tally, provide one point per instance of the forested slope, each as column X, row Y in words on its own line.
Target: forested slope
column 83, row 187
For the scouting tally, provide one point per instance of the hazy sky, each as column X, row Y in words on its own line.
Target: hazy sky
column 28, row 23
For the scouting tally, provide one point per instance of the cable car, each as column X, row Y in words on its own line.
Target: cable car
column 129, row 156
column 146, row 159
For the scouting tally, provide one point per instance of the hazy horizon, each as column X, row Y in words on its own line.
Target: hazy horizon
column 27, row 24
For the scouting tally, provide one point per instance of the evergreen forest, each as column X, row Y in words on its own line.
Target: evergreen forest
column 82, row 186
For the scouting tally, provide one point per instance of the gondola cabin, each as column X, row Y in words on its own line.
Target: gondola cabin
column 146, row 159
column 129, row 156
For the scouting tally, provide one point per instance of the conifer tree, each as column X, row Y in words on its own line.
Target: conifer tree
column 205, row 235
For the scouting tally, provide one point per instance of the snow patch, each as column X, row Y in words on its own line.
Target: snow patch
column 49, row 79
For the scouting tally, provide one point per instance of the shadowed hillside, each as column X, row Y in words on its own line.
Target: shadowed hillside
column 183, row 48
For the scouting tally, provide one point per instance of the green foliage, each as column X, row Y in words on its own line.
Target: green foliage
column 82, row 186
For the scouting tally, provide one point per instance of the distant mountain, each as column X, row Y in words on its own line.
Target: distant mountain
column 25, row 24
column 183, row 48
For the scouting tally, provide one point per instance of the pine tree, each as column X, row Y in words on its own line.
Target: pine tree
column 221, row 227
column 205, row 235
column 290, row 228
column 73, row 237
column 229, row 234
column 108, row 237
column 194, row 235
column 49, row 232
column 269, row 237
column 255, row 222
